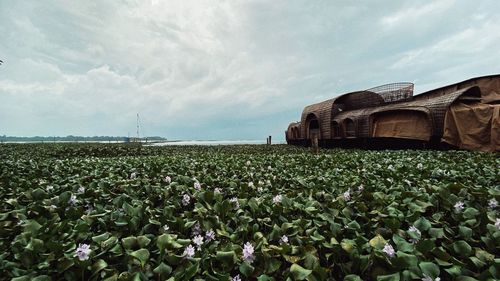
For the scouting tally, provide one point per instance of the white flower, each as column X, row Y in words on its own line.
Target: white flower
column 210, row 235
column 260, row 189
column 361, row 188
column 277, row 199
column 459, row 206
column 185, row 200
column 250, row 184
column 414, row 229
column 389, row 250
column 497, row 223
column 197, row 186
column 166, row 228
column 248, row 252
column 198, row 241
column 390, row 167
column 83, row 252
column 284, row 239
column 269, row 167
column 493, row 203
column 347, row 195
column 248, row 163
column 420, row 166
column 133, row 176
column 268, row 182
column 236, row 278
column 234, row 200
column 50, row 188
column 72, row 199
column 168, row 179
column 428, row 278
column 189, row 251
column 81, row 189
column 53, row 206
column 218, row 190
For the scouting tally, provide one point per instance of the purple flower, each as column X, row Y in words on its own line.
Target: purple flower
column 414, row 229
column 197, row 186
column 196, row 229
column 72, row 199
column 459, row 206
column 210, row 235
column 189, row 251
column 234, row 200
column 168, row 179
column 493, row 203
column 198, row 241
column 284, row 239
column 347, row 195
column 83, row 252
column 185, row 200
column 248, row 252
column 277, row 199
column 389, row 250
column 236, row 278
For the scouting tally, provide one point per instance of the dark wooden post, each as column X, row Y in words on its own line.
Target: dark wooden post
column 315, row 145
column 270, row 140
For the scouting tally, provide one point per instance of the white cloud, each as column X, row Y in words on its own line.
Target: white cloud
column 219, row 69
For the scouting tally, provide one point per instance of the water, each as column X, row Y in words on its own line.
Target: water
column 210, row 142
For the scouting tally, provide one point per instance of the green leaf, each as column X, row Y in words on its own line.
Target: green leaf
column 298, row 272
column 462, row 248
column 378, row 242
column 246, row 269
column 390, row 277
column 163, row 269
column 429, row 269
column 142, row 255
column 143, row 241
column 465, row 232
column 436, row 233
column 470, row 213
column 352, row 277
column 99, row 265
column 228, row 258
column 100, row 238
column 422, row 224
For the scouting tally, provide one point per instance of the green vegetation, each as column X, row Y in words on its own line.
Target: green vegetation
column 266, row 213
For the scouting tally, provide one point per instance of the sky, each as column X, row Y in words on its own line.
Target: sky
column 224, row 70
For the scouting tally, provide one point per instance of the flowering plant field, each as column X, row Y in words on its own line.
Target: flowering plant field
column 119, row 212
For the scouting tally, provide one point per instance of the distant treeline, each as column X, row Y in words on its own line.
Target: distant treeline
column 70, row 138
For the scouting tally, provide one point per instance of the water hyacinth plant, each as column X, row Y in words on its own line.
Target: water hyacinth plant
column 294, row 223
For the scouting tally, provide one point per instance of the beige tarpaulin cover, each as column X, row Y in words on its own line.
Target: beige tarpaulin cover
column 490, row 90
column 473, row 126
column 402, row 124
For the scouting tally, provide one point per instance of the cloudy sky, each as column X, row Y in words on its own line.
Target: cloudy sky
column 223, row 69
